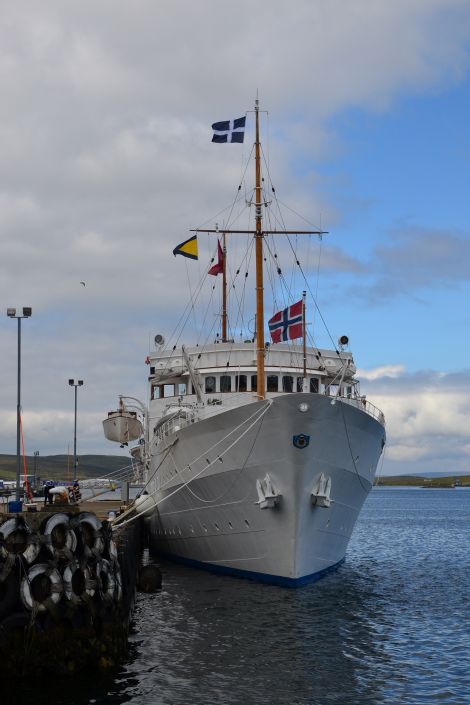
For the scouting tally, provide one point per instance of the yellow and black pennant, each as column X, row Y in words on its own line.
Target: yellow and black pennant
column 188, row 248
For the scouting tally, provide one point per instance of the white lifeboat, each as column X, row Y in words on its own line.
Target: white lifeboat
column 122, row 426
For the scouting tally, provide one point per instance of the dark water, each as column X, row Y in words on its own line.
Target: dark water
column 391, row 626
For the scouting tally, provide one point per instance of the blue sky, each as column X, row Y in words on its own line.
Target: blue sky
column 107, row 162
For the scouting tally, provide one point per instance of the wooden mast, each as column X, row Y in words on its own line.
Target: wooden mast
column 304, row 337
column 260, row 350
column 259, row 235
column 224, row 290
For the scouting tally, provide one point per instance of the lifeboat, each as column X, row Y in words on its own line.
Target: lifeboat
column 122, row 426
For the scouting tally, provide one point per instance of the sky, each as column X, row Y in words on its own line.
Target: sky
column 107, row 162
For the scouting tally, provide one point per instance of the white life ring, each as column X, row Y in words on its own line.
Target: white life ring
column 78, row 583
column 41, row 584
column 60, row 539
column 24, row 544
column 106, row 580
column 91, row 533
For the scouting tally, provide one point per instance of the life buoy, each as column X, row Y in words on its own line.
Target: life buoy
column 89, row 526
column 60, row 539
column 79, row 585
column 106, row 580
column 8, row 593
column 41, row 588
column 17, row 539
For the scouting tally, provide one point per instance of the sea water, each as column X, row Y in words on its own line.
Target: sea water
column 390, row 626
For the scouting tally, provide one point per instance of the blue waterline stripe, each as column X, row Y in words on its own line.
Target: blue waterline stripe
column 252, row 575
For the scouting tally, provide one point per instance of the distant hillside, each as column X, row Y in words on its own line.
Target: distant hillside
column 55, row 466
column 417, row 481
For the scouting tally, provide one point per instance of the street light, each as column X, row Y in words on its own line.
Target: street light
column 75, row 459
column 11, row 313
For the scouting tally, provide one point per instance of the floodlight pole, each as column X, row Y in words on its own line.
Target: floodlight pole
column 75, row 459
column 11, row 313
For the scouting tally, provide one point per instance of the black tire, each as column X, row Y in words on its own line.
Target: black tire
column 16, row 622
column 9, row 593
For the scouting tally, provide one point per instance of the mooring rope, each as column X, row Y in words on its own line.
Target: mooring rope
column 117, row 523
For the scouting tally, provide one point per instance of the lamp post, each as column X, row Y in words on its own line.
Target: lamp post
column 11, row 313
column 72, row 383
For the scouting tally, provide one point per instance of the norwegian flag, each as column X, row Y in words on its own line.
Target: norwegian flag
column 287, row 324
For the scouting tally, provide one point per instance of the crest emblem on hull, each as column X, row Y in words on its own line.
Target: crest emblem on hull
column 301, row 441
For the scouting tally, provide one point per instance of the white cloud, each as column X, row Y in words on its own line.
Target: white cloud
column 106, row 163
column 427, row 420
column 379, row 372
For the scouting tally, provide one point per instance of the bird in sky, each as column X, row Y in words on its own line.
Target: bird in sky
column 83, row 283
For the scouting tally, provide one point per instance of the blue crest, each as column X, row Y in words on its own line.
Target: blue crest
column 301, row 441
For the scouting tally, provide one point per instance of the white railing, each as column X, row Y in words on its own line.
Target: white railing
column 366, row 406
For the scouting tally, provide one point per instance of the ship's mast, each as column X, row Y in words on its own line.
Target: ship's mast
column 259, row 234
column 224, row 290
column 260, row 350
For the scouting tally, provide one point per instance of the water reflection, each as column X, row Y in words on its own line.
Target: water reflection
column 390, row 626
column 211, row 639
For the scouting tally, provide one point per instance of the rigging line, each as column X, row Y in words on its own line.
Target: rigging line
column 349, row 445
column 250, row 243
column 232, row 205
column 379, row 474
column 190, row 292
column 299, row 215
column 188, row 313
column 208, row 307
column 318, row 273
column 115, row 525
column 231, row 283
column 132, row 509
column 232, row 485
column 239, row 187
column 179, row 322
column 315, row 302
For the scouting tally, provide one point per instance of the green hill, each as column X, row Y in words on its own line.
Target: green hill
column 58, row 467
column 415, row 480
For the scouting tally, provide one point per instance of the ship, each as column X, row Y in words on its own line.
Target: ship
column 256, row 455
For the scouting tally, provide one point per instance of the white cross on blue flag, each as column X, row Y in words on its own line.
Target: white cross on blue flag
column 229, row 130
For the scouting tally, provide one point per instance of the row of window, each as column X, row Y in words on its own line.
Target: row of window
column 236, row 383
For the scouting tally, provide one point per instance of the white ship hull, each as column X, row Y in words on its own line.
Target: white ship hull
column 208, row 510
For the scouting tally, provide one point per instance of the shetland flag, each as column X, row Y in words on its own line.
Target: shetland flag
column 229, row 130
column 287, row 324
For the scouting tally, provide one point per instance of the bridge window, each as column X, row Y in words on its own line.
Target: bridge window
column 168, row 390
column 210, row 385
column 254, row 383
column 182, row 389
column 272, row 383
column 314, row 385
column 157, row 392
column 225, row 383
column 287, row 383
column 300, row 384
column 241, row 383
